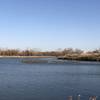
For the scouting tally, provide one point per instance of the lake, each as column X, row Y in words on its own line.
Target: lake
column 48, row 81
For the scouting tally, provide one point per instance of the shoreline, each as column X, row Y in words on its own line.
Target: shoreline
column 27, row 57
column 59, row 58
column 82, row 58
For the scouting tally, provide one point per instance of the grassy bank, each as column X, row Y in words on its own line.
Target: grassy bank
column 81, row 58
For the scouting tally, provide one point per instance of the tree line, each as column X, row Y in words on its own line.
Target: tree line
column 67, row 52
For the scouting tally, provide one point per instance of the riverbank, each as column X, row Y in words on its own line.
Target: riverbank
column 73, row 58
column 81, row 58
column 27, row 56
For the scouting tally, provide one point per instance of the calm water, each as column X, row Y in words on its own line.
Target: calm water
column 48, row 81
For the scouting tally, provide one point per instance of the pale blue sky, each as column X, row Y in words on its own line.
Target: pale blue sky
column 50, row 24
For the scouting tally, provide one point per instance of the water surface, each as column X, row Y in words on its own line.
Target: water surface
column 48, row 81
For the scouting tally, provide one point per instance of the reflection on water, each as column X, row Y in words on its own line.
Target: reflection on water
column 48, row 81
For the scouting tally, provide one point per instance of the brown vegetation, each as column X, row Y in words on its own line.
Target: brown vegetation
column 68, row 54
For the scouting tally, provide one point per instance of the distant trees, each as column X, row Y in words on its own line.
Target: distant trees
column 97, row 51
column 78, row 51
column 8, row 52
column 71, row 52
column 67, row 52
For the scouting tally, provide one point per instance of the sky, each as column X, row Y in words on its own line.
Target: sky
column 50, row 24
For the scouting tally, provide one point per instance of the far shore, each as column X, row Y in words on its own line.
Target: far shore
column 27, row 57
column 83, row 58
